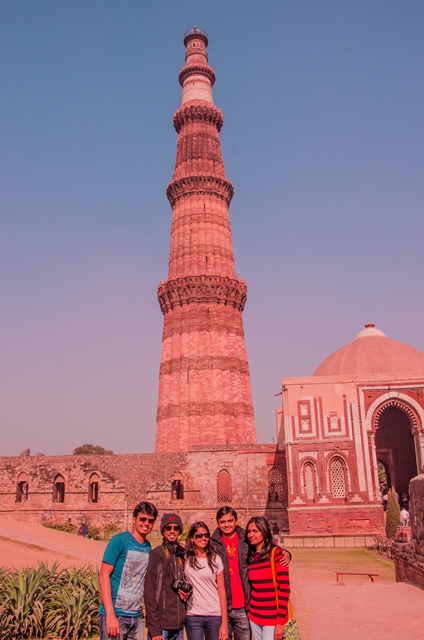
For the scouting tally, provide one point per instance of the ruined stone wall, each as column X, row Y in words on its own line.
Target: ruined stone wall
column 124, row 480
column 409, row 556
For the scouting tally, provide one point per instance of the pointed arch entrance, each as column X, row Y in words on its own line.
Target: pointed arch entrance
column 396, row 426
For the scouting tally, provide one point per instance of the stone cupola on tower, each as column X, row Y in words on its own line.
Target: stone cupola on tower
column 204, row 384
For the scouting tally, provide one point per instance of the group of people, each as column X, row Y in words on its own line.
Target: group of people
column 232, row 583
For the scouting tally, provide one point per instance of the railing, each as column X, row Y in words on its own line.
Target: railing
column 195, row 31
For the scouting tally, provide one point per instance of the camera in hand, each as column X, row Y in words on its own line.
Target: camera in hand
column 184, row 586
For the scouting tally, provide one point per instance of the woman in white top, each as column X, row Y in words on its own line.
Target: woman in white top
column 207, row 605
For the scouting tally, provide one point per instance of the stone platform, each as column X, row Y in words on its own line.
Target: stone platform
column 327, row 542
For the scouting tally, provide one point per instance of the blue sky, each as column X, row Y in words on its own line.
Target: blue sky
column 323, row 141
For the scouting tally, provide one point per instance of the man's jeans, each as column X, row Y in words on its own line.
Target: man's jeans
column 238, row 625
column 203, row 627
column 130, row 628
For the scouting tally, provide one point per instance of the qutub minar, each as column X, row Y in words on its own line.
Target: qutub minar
column 359, row 416
column 204, row 388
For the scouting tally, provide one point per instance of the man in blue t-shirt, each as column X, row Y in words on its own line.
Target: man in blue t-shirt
column 122, row 575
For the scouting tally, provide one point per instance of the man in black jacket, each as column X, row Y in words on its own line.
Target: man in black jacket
column 229, row 544
column 164, row 603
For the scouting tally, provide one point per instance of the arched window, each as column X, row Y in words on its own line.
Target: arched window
column 177, row 487
column 338, row 478
column 275, row 486
column 22, row 487
column 309, row 480
column 223, row 486
column 93, row 488
column 59, row 489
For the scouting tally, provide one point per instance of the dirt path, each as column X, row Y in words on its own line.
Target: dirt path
column 23, row 544
column 360, row 610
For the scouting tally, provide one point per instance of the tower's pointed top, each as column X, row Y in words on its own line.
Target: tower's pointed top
column 196, row 77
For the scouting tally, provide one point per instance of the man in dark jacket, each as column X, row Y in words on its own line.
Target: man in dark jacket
column 164, row 603
column 229, row 544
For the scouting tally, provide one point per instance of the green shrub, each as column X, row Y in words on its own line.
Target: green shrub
column 186, row 529
column 110, row 530
column 94, row 533
column 392, row 514
column 49, row 603
column 67, row 527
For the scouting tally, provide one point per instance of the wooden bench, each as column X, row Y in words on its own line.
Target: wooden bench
column 373, row 576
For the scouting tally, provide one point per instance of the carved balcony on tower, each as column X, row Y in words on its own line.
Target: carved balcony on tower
column 204, row 288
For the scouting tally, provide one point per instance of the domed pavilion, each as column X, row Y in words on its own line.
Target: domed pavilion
column 359, row 418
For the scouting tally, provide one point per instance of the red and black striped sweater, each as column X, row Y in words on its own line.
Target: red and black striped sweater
column 263, row 602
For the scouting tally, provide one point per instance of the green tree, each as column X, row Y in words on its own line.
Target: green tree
column 392, row 514
column 92, row 449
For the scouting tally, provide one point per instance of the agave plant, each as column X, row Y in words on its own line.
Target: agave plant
column 23, row 601
column 73, row 604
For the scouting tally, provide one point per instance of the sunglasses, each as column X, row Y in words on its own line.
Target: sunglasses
column 199, row 536
column 172, row 527
column 144, row 519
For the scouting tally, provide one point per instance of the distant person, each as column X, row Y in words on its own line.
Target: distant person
column 165, row 590
column 385, row 500
column 83, row 530
column 404, row 515
column 122, row 576
column 276, row 530
column 25, row 491
column 269, row 581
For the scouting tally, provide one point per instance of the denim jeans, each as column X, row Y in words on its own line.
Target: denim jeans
column 173, row 634
column 261, row 632
column 238, row 625
column 130, row 628
column 203, row 627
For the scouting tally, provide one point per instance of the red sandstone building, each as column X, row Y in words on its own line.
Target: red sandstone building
column 363, row 406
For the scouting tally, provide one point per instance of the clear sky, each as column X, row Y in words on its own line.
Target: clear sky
column 323, row 140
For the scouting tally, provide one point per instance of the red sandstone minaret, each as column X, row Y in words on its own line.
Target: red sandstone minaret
column 204, row 384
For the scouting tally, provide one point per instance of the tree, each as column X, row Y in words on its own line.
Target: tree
column 92, row 449
column 392, row 514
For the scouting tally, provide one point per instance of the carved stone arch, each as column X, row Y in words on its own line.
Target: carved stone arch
column 310, row 480
column 397, row 439
column 22, row 487
column 94, row 488
column 224, row 489
column 399, row 404
column 338, row 475
column 177, row 486
column 275, row 485
column 59, row 486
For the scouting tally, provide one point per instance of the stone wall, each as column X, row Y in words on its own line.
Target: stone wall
column 409, row 556
column 124, row 480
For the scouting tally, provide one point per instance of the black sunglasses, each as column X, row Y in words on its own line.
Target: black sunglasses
column 144, row 519
column 172, row 527
column 198, row 536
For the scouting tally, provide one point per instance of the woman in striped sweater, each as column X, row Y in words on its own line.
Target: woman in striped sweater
column 269, row 580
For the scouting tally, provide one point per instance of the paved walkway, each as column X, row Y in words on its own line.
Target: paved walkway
column 360, row 610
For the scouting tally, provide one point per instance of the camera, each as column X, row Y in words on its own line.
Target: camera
column 182, row 585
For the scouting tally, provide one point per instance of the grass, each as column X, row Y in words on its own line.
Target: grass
column 320, row 565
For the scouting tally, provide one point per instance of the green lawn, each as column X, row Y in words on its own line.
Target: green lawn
column 321, row 564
